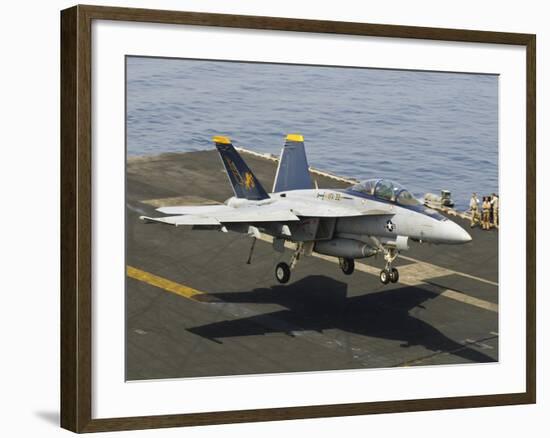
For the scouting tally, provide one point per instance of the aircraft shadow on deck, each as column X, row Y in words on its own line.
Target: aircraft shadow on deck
column 318, row 303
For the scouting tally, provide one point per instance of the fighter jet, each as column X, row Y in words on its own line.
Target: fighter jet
column 373, row 217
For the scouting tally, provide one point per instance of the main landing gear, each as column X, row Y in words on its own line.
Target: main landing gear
column 389, row 273
column 282, row 273
column 347, row 265
column 282, row 270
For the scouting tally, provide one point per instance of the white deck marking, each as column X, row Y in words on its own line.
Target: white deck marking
column 411, row 275
column 478, row 344
column 450, row 271
column 459, row 296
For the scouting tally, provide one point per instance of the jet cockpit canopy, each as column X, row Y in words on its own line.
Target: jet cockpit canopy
column 386, row 190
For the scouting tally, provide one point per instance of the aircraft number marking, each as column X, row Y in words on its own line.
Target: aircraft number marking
column 329, row 196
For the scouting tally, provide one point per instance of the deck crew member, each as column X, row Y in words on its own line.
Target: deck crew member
column 474, row 209
column 486, row 213
column 494, row 204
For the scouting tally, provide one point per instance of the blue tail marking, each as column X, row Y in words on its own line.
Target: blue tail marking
column 244, row 183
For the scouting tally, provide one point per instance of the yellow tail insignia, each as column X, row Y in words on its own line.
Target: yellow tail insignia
column 248, row 180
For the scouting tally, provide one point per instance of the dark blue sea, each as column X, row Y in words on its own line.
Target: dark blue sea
column 427, row 130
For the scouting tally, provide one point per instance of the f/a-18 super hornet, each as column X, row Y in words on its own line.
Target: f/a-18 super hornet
column 373, row 217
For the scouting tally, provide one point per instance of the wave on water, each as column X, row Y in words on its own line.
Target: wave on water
column 427, row 130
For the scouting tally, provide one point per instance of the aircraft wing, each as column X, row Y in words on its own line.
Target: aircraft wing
column 323, row 210
column 200, row 210
column 220, row 214
column 285, row 211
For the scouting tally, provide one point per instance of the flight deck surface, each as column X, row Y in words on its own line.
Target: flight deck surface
column 195, row 308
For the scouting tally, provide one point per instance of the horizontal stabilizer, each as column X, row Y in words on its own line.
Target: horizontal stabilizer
column 182, row 220
column 200, row 210
column 293, row 170
column 222, row 214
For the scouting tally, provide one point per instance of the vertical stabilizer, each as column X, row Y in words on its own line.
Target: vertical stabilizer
column 245, row 184
column 293, row 170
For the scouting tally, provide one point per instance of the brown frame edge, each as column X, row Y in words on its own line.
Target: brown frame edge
column 76, row 168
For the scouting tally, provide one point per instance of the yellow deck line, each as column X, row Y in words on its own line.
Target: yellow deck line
column 163, row 283
column 197, row 295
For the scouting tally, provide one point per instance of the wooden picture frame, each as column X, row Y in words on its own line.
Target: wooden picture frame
column 76, row 217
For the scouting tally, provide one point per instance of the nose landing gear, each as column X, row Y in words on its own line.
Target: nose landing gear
column 389, row 273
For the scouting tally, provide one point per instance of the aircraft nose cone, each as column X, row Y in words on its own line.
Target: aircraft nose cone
column 457, row 234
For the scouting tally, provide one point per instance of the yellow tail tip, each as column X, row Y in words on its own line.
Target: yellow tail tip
column 221, row 139
column 295, row 137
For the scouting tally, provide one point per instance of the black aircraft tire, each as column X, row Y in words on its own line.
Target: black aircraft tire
column 282, row 273
column 348, row 266
column 394, row 275
column 384, row 277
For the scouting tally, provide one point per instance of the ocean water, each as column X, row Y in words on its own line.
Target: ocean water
column 426, row 130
